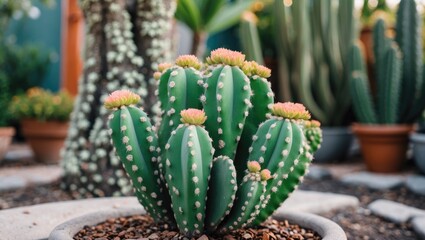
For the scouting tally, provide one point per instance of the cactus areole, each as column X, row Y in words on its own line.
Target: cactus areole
column 194, row 171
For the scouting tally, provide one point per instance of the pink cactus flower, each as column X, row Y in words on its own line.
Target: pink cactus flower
column 121, row 98
column 252, row 68
column 290, row 110
column 193, row 116
column 254, row 166
column 227, row 57
column 164, row 66
column 265, row 174
column 188, row 61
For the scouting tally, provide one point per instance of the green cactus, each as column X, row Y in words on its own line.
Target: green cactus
column 277, row 146
column 136, row 144
column 178, row 175
column 220, row 200
column 187, row 166
column 180, row 87
column 226, row 100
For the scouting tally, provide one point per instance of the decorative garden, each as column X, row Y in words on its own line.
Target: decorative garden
column 212, row 119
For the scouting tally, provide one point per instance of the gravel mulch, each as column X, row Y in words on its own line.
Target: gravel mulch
column 359, row 223
column 143, row 227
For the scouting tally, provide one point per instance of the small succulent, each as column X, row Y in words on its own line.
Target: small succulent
column 224, row 156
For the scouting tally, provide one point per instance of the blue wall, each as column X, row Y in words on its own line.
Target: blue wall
column 45, row 31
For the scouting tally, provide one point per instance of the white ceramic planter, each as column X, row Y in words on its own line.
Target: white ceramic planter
column 327, row 229
column 418, row 140
column 335, row 146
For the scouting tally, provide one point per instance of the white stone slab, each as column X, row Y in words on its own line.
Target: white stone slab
column 12, row 178
column 374, row 180
column 394, row 211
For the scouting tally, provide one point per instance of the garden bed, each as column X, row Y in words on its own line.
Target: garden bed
column 358, row 223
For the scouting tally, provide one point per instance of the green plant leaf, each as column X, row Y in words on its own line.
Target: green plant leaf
column 210, row 9
column 188, row 13
column 228, row 15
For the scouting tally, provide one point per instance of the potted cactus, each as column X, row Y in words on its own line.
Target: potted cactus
column 224, row 156
column 44, row 120
column 385, row 124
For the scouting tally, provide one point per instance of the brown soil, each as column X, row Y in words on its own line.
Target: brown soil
column 143, row 227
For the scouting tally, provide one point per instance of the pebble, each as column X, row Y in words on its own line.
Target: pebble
column 416, row 184
column 373, row 180
column 394, row 211
column 418, row 224
column 318, row 173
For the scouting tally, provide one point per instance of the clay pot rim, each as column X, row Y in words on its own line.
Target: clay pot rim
column 33, row 120
column 381, row 129
column 7, row 131
column 326, row 228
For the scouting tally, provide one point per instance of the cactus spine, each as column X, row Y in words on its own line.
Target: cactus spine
column 190, row 185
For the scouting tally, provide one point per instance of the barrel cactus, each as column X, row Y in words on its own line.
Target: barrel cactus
column 184, row 170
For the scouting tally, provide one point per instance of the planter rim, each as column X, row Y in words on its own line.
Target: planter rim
column 417, row 137
column 336, row 130
column 384, row 129
column 7, row 131
column 324, row 227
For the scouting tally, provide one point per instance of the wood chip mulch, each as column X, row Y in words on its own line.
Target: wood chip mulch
column 143, row 228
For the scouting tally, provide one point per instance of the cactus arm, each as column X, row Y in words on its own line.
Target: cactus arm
column 226, row 104
column 187, row 166
column 250, row 39
column 136, row 145
column 261, row 100
column 362, row 99
column 381, row 45
column 282, row 163
column 313, row 136
column 409, row 38
column 163, row 88
column 221, row 193
column 249, row 199
column 283, row 38
column 184, row 89
column 389, row 91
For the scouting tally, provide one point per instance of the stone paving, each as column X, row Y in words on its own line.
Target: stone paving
column 12, row 178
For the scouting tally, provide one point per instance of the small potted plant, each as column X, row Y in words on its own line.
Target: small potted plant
column 6, row 132
column 44, row 120
column 398, row 91
column 418, row 140
column 224, row 156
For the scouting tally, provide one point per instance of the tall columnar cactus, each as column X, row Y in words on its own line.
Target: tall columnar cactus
column 122, row 47
column 400, row 93
column 177, row 173
column 312, row 39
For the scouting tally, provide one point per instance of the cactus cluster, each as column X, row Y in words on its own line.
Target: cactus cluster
column 312, row 40
column 224, row 155
column 400, row 90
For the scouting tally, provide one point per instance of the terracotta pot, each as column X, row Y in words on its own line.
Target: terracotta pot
column 45, row 138
column 383, row 147
column 6, row 134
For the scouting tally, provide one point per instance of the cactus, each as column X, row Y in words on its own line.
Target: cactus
column 398, row 66
column 183, row 174
column 226, row 100
column 313, row 39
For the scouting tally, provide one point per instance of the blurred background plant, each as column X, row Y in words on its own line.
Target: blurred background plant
column 206, row 17
column 21, row 67
column 42, row 105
